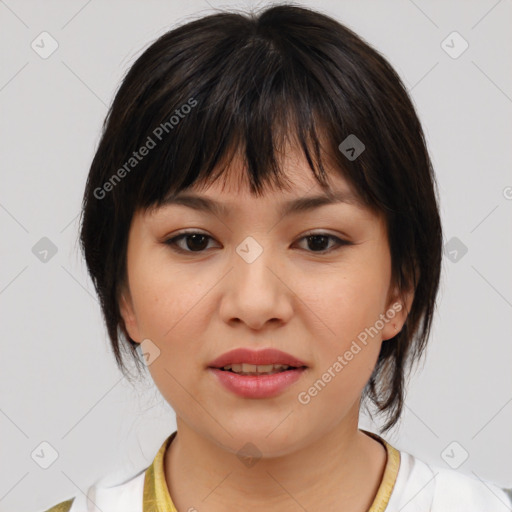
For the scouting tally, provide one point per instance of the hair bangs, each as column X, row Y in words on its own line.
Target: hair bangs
column 254, row 119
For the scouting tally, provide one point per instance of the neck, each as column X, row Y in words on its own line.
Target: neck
column 344, row 464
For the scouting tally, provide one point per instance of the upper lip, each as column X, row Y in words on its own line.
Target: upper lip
column 257, row 357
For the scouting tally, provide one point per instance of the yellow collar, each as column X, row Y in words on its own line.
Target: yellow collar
column 388, row 478
column 158, row 499
column 156, row 494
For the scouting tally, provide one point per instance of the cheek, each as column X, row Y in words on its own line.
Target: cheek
column 169, row 306
column 347, row 304
column 163, row 296
column 346, row 346
column 173, row 311
column 348, row 299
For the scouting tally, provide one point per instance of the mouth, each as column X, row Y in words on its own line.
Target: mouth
column 251, row 381
column 253, row 370
column 245, row 361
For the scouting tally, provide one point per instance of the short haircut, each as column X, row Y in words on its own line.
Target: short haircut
column 234, row 83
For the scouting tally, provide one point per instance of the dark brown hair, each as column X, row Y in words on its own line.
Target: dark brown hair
column 244, row 83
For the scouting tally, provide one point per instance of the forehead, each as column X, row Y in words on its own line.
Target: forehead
column 300, row 190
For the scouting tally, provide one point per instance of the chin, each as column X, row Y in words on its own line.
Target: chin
column 261, row 439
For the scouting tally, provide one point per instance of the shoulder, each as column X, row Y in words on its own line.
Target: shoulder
column 457, row 491
column 421, row 486
column 125, row 496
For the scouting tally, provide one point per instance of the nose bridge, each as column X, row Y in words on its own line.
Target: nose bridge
column 253, row 261
column 254, row 293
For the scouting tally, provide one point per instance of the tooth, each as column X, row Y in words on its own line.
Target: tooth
column 253, row 369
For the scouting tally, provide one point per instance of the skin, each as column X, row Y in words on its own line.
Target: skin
column 311, row 304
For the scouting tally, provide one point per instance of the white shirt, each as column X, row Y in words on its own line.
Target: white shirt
column 408, row 485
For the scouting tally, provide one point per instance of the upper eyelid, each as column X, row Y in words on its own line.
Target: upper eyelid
column 340, row 240
column 308, row 233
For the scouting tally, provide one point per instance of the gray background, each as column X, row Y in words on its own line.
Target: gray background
column 58, row 380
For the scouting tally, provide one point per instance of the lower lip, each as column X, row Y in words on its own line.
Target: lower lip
column 257, row 386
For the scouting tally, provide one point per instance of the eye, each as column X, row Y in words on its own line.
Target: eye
column 319, row 240
column 196, row 241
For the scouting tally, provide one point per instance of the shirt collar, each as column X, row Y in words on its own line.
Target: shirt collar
column 381, row 500
column 157, row 497
column 156, row 494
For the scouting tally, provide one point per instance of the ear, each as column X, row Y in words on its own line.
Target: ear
column 397, row 309
column 128, row 314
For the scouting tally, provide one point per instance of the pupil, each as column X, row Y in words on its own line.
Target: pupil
column 195, row 238
column 316, row 245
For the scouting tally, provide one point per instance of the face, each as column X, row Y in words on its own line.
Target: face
column 314, row 283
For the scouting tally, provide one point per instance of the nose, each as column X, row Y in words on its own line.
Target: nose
column 256, row 291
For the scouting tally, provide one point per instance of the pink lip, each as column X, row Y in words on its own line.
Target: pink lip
column 257, row 386
column 264, row 356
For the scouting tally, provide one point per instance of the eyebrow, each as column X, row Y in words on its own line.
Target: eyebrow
column 293, row 206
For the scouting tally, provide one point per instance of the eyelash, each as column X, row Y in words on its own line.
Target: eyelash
column 172, row 242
